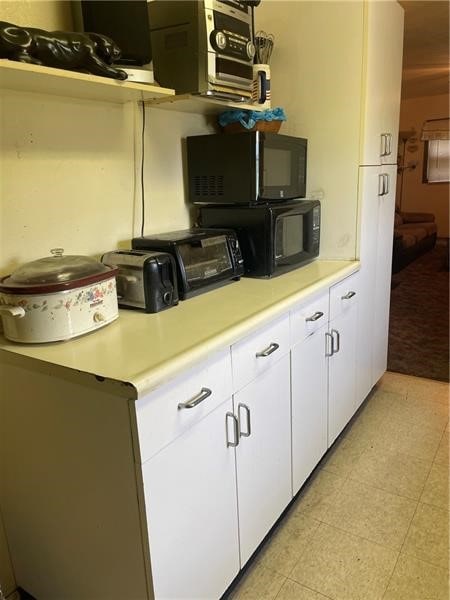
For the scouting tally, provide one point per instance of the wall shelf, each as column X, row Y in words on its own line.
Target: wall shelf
column 24, row 77
column 190, row 103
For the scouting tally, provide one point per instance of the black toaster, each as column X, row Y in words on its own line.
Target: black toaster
column 146, row 280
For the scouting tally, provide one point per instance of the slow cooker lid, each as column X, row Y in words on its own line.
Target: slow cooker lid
column 57, row 269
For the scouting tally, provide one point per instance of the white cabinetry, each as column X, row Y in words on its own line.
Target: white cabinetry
column 323, row 363
column 376, row 193
column 370, row 180
column 263, row 455
column 309, row 384
column 385, row 233
column 342, row 355
column 211, row 463
column 190, row 501
column 189, row 481
column 377, row 201
column 383, row 65
column 171, row 493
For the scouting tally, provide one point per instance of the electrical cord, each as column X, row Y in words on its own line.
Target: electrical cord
column 142, row 170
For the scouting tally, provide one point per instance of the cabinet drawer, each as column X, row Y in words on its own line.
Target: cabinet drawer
column 309, row 317
column 255, row 353
column 161, row 416
column 344, row 295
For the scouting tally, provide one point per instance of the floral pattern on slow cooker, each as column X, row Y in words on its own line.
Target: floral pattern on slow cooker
column 85, row 296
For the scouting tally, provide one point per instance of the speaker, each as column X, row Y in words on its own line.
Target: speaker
column 127, row 23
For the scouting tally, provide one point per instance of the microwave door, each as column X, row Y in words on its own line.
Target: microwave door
column 277, row 173
column 289, row 238
column 283, row 168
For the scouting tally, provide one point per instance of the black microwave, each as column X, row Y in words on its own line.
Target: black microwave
column 274, row 238
column 246, row 168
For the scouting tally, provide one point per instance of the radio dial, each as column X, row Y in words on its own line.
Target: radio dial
column 218, row 40
column 250, row 49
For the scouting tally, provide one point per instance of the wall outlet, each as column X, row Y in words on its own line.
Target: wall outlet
column 316, row 195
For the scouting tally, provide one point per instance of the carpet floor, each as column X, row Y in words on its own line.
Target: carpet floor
column 419, row 320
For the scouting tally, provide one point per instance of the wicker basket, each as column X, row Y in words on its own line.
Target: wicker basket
column 268, row 126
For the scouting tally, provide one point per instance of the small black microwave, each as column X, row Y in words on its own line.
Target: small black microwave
column 246, row 168
column 274, row 238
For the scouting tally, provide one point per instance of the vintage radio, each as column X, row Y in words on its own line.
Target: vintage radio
column 203, row 47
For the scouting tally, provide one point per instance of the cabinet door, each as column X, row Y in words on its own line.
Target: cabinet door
column 341, row 372
column 372, row 126
column 369, row 199
column 190, row 500
column 383, row 62
column 309, row 405
column 263, row 456
column 385, row 236
column 392, row 57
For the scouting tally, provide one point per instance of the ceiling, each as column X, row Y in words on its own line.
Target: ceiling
column 426, row 48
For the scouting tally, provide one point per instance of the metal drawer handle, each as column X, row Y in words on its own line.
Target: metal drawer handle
column 269, row 350
column 247, row 412
column 381, row 185
column 336, row 348
column 202, row 395
column 328, row 335
column 317, row 315
column 389, row 144
column 384, row 144
column 229, row 415
column 348, row 296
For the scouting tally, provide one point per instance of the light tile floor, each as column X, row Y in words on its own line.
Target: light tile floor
column 373, row 521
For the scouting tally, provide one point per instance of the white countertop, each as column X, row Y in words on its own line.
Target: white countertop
column 145, row 350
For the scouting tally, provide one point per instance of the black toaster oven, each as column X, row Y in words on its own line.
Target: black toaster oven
column 205, row 258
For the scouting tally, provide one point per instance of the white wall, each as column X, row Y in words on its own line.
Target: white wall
column 418, row 196
column 45, row 14
column 71, row 175
column 317, row 79
column 70, row 169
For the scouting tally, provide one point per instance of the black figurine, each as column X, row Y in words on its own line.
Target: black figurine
column 90, row 52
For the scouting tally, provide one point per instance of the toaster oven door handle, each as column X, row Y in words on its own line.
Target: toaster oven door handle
column 202, row 395
column 269, row 350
